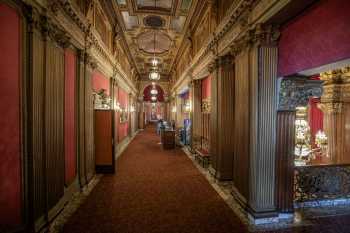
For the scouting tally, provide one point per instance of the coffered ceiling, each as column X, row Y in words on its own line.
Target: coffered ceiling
column 153, row 28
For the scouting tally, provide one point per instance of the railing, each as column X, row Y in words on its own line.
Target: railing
column 321, row 183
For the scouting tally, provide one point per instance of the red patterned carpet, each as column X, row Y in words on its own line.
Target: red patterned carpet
column 154, row 191
column 162, row 191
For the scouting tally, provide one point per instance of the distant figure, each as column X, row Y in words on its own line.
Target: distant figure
column 159, row 125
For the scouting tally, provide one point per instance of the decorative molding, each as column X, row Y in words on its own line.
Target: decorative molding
column 206, row 106
column 337, row 76
column 296, row 91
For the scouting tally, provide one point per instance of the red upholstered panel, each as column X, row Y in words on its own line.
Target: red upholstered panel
column 99, row 81
column 206, row 88
column 123, row 101
column 319, row 36
column 69, row 116
column 315, row 118
column 10, row 134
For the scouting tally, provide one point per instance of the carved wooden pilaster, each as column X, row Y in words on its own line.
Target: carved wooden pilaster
column 81, row 117
column 285, row 160
column 213, row 69
column 222, row 118
column 335, row 103
column 197, row 113
column 263, row 92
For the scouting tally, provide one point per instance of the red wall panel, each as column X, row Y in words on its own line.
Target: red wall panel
column 317, row 37
column 122, row 127
column 69, row 116
column 206, row 88
column 99, row 81
column 10, row 134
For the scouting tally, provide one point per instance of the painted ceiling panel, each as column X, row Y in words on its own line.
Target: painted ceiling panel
column 165, row 4
column 141, row 18
column 154, row 42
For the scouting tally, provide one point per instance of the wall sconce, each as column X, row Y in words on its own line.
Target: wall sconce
column 188, row 107
column 132, row 108
column 117, row 107
column 173, row 110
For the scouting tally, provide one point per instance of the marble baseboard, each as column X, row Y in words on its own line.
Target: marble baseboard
column 323, row 203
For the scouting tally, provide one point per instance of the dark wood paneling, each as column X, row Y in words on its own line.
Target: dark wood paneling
column 54, row 122
column 214, row 122
column 89, row 128
column 285, row 160
column 242, row 102
column 37, row 112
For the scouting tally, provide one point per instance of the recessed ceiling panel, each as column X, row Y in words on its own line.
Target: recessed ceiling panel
column 154, row 42
column 121, row 2
column 154, row 21
column 129, row 21
column 162, row 4
column 185, row 5
column 177, row 24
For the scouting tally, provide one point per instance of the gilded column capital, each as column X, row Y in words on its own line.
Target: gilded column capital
column 213, row 65
column 336, row 85
column 337, row 76
column 331, row 108
column 240, row 44
column 226, row 59
column 265, row 35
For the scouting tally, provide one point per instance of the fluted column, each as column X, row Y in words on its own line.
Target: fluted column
column 256, row 102
column 223, row 115
column 196, row 113
column 335, row 103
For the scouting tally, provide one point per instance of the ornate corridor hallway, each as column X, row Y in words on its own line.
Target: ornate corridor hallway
column 154, row 190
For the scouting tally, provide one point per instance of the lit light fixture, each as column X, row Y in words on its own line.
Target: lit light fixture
column 132, row 108
column 154, row 75
column 153, row 98
column 173, row 109
column 154, row 62
column 188, row 107
column 154, row 92
column 117, row 107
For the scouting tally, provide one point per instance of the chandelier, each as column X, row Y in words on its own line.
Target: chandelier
column 154, row 92
column 154, row 75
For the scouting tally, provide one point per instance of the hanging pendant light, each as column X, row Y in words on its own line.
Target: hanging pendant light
column 154, row 75
column 154, row 91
